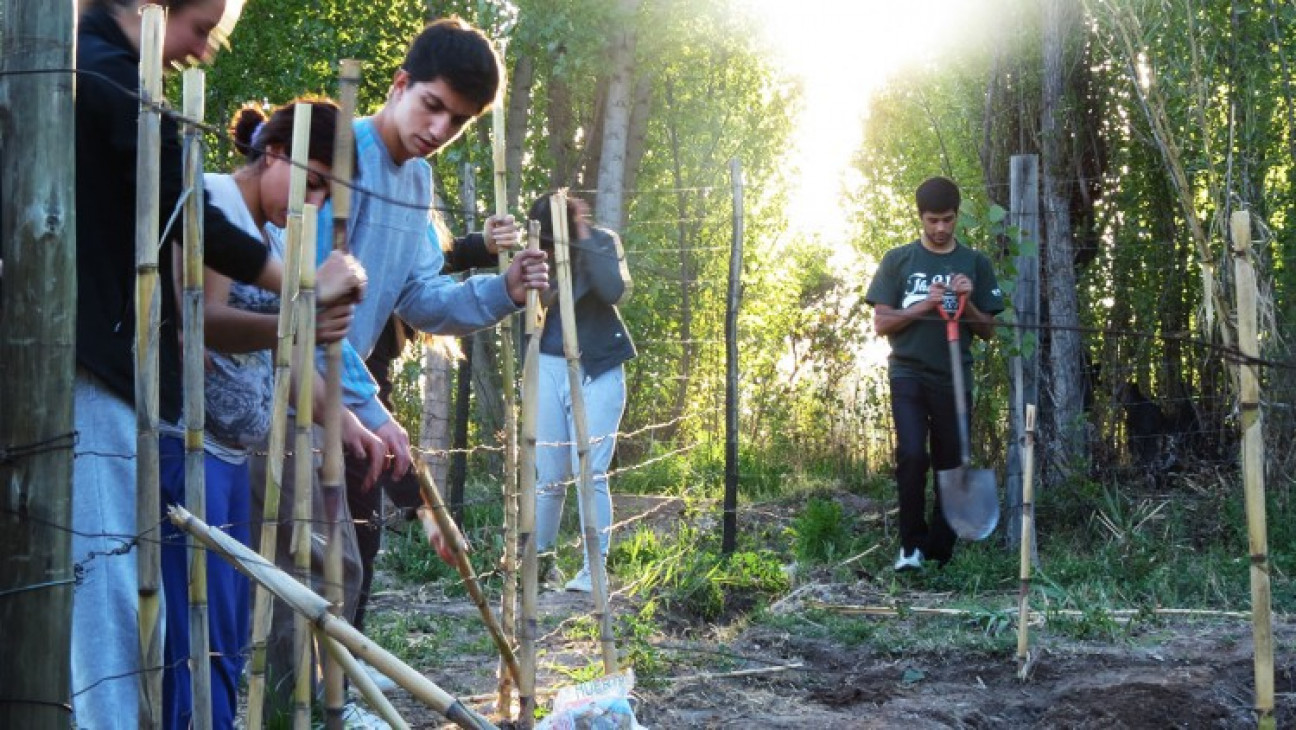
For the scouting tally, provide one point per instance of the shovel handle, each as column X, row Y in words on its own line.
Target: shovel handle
column 956, row 370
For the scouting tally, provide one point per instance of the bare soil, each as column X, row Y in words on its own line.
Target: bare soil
column 1185, row 673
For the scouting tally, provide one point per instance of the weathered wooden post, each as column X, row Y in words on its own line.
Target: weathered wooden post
column 37, row 360
column 729, row 537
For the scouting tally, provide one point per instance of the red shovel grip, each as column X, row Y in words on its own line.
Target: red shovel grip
column 952, row 320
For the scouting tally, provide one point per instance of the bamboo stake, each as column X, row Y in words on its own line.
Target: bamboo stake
column 315, row 609
column 333, row 475
column 527, row 500
column 368, row 689
column 459, row 549
column 147, row 322
column 1027, row 541
column 508, row 561
column 1253, row 469
column 264, row 604
column 303, row 453
column 195, row 407
column 584, row 487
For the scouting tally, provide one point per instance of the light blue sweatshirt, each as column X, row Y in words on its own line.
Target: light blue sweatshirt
column 390, row 232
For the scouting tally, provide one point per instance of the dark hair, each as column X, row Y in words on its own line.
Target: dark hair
column 541, row 211
column 253, row 132
column 937, row 195
column 460, row 55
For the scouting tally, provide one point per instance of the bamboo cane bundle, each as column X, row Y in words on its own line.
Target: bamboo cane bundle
column 303, row 456
column 264, row 603
column 436, row 511
column 195, row 407
column 584, row 486
column 508, row 560
column 527, row 501
column 333, row 475
column 147, row 322
column 1027, row 538
column 315, row 609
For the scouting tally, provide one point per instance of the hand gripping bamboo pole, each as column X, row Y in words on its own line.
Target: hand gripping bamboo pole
column 527, row 501
column 584, row 486
column 435, row 510
column 147, row 322
column 315, row 609
column 264, row 603
column 304, row 456
column 508, row 561
column 195, row 407
column 1027, row 540
column 333, row 475
column 1253, row 470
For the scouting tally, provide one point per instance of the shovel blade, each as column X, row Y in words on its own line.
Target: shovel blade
column 969, row 501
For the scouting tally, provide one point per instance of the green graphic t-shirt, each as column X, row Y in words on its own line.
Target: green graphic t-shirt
column 903, row 280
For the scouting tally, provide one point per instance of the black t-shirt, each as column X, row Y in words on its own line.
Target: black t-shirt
column 903, row 280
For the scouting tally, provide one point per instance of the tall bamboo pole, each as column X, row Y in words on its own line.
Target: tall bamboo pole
column 333, row 475
column 195, row 407
column 1253, row 469
column 1027, row 542
column 264, row 604
column 303, row 452
column 527, row 500
column 37, row 362
column 584, row 486
column 436, row 511
column 148, row 304
column 508, row 561
column 315, row 609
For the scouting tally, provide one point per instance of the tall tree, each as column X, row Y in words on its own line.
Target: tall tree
column 1063, row 415
column 609, row 208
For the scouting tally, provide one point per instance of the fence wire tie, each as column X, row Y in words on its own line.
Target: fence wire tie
column 11, row 454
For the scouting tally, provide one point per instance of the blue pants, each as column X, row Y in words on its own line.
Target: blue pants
column 105, row 604
column 605, row 398
column 923, row 415
column 228, row 598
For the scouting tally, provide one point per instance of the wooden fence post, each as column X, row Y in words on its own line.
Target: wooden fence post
column 729, row 538
column 1024, row 218
column 37, row 361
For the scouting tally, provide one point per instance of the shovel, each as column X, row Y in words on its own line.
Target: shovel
column 969, row 497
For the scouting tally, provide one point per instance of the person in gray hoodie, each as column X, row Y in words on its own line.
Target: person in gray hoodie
column 600, row 281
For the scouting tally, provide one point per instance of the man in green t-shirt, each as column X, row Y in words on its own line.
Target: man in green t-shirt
column 911, row 283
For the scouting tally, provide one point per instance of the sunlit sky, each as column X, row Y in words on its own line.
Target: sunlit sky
column 842, row 50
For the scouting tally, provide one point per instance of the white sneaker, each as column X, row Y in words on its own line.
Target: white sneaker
column 355, row 717
column 581, row 583
column 912, row 561
column 385, row 684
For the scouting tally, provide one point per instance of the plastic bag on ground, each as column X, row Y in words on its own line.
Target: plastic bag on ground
column 600, row 704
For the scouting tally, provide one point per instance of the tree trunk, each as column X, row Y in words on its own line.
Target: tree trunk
column 609, row 209
column 562, row 133
column 519, row 111
column 1063, row 419
column 592, row 153
column 639, row 113
column 37, row 356
column 434, row 430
